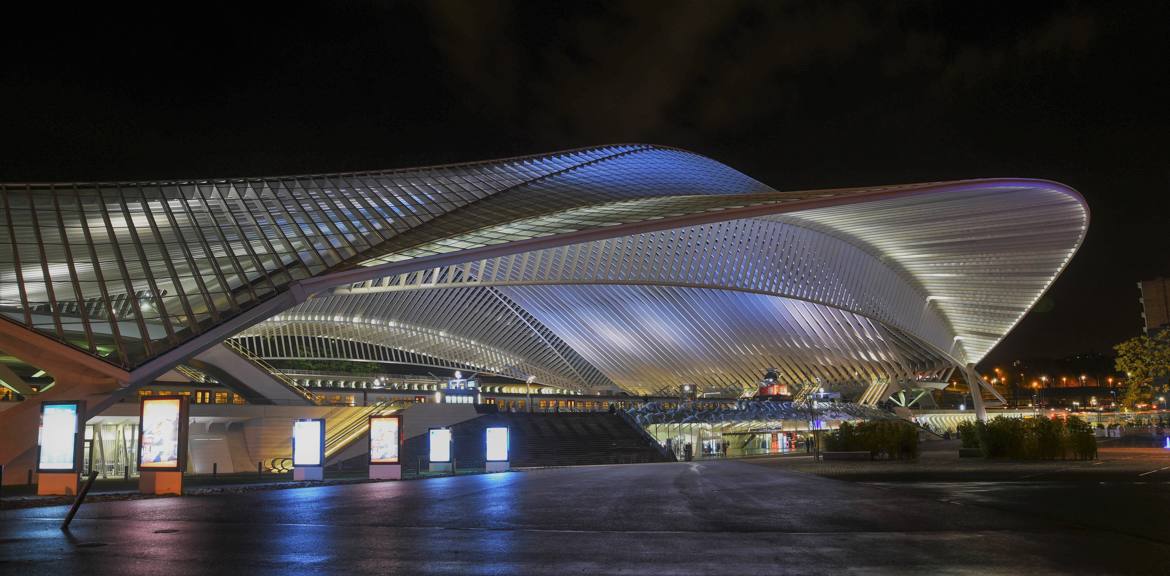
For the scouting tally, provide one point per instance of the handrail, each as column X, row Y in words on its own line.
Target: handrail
column 352, row 422
column 348, row 429
column 194, row 375
column 633, row 422
column 354, row 426
column 274, row 371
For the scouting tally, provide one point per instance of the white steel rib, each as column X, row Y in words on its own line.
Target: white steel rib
column 630, row 266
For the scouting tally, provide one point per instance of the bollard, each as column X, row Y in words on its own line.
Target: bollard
column 80, row 497
column 214, row 469
column 29, row 481
column 260, row 469
column 126, row 472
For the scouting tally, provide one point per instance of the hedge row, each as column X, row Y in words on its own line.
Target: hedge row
column 891, row 439
column 1031, row 438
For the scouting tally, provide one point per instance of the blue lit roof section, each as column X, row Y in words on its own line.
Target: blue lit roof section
column 886, row 282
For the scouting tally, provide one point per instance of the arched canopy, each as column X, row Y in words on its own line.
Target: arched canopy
column 884, row 281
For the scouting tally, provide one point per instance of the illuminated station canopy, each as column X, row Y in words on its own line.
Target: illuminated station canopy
column 626, row 267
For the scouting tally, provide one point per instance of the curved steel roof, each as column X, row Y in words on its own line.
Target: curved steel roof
column 859, row 283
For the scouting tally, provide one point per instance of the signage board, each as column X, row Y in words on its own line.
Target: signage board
column 440, row 445
column 57, row 439
column 497, row 444
column 385, row 439
column 309, row 442
column 162, row 434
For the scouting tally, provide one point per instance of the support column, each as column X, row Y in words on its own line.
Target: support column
column 977, row 385
column 18, row 442
column 76, row 375
column 977, row 396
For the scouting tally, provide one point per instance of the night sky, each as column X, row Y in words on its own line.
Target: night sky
column 796, row 94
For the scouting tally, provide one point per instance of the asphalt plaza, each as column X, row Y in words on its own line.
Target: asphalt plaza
column 772, row 515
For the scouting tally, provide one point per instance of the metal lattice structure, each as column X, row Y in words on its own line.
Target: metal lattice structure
column 632, row 266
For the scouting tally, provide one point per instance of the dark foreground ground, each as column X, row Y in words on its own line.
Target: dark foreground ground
column 754, row 517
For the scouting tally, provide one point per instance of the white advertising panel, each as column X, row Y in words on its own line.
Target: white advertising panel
column 159, row 442
column 58, row 437
column 384, row 439
column 440, row 445
column 497, row 444
column 308, row 442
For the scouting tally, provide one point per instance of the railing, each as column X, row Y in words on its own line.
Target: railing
column 274, row 371
column 194, row 375
column 633, row 422
column 342, row 434
column 351, row 428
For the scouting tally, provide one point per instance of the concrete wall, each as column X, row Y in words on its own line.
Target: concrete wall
column 234, row 438
column 419, row 418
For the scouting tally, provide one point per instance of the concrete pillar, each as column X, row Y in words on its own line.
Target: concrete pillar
column 77, row 376
column 975, row 383
column 18, row 443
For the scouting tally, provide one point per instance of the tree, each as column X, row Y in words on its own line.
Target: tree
column 1146, row 363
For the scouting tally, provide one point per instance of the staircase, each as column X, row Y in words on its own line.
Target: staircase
column 344, row 428
column 250, row 376
column 541, row 439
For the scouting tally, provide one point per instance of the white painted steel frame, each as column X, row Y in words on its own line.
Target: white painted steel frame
column 144, row 275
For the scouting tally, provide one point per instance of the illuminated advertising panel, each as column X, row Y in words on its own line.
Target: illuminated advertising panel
column 162, row 434
column 57, row 438
column 385, row 439
column 308, row 443
column 440, row 445
column 497, row 444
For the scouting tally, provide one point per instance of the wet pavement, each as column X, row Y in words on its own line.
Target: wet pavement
column 720, row 517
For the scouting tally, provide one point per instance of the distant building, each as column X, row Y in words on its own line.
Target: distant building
column 1155, row 303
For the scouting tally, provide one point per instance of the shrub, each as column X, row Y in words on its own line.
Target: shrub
column 1006, row 438
column 844, row 439
column 1082, row 441
column 969, row 432
column 1050, row 438
column 891, row 439
column 1031, row 438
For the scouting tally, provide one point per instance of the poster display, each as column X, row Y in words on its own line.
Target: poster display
column 497, row 444
column 308, row 443
column 162, row 435
column 385, row 439
column 57, row 437
column 440, row 445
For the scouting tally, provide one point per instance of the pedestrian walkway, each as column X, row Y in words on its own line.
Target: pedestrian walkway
column 711, row 517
